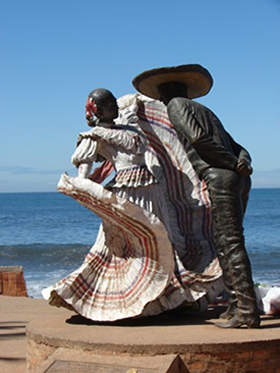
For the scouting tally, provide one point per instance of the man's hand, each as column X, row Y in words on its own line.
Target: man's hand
column 243, row 168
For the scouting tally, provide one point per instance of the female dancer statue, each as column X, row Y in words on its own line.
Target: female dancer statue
column 134, row 267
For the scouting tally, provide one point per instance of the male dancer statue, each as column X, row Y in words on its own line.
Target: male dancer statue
column 224, row 165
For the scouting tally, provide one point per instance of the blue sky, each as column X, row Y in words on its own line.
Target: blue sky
column 53, row 53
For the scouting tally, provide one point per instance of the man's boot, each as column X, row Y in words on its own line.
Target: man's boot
column 247, row 312
column 231, row 309
column 238, row 321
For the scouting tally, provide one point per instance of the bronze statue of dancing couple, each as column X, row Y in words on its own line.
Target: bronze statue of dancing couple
column 171, row 235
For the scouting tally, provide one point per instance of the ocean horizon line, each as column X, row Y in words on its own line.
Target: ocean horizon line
column 48, row 191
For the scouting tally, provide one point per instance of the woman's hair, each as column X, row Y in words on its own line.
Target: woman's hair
column 101, row 95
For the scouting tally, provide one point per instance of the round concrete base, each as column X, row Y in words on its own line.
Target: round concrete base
column 170, row 343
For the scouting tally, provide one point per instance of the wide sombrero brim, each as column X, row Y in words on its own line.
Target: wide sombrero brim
column 198, row 80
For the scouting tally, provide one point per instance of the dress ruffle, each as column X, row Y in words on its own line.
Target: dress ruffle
column 133, row 177
column 123, row 136
column 126, row 268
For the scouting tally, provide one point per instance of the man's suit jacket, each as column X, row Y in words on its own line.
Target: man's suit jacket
column 206, row 141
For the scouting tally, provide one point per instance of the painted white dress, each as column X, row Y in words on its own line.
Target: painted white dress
column 126, row 148
column 135, row 266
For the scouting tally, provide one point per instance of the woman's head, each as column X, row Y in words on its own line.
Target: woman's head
column 103, row 104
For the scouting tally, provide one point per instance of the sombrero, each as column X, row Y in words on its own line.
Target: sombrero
column 198, row 80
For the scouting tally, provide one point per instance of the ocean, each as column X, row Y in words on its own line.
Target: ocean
column 49, row 234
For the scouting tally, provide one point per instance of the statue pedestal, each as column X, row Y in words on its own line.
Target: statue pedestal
column 162, row 344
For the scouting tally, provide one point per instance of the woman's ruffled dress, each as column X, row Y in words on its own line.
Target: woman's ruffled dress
column 154, row 250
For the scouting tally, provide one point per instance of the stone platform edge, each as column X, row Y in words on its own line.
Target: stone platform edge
column 234, row 351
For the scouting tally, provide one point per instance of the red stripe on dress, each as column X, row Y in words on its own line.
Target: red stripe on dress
column 141, row 233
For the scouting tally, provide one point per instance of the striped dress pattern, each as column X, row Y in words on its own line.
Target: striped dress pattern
column 154, row 250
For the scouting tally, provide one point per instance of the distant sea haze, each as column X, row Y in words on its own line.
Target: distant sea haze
column 27, row 179
column 49, row 234
column 266, row 179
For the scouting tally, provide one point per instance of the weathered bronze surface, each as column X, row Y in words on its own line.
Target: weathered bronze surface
column 225, row 166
